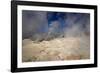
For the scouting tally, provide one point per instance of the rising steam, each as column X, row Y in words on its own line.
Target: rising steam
column 66, row 38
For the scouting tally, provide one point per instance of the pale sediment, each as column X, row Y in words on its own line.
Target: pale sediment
column 71, row 48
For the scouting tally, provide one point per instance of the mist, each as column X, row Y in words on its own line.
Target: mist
column 37, row 24
column 55, row 36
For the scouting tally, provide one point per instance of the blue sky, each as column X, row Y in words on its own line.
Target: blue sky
column 40, row 22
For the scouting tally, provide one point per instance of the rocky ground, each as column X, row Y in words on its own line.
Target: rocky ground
column 69, row 48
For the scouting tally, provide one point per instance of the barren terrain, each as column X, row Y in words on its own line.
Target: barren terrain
column 69, row 48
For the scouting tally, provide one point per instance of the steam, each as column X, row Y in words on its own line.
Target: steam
column 35, row 26
column 32, row 22
column 45, row 40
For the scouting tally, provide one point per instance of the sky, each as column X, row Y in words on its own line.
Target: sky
column 40, row 24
